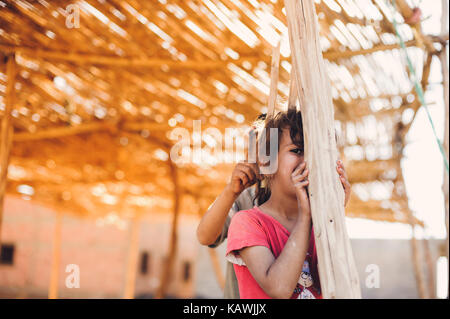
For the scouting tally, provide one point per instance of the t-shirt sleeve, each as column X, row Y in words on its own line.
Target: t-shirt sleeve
column 245, row 231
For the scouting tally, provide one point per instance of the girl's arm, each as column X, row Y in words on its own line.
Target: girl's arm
column 278, row 277
column 211, row 224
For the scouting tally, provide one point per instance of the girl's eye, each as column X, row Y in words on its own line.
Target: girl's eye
column 297, row 150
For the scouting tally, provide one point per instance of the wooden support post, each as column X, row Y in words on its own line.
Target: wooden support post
column 133, row 255
column 445, row 186
column 400, row 184
column 166, row 273
column 217, row 269
column 445, row 75
column 212, row 253
column 417, row 261
column 337, row 269
column 6, row 131
column 56, row 258
column 430, row 266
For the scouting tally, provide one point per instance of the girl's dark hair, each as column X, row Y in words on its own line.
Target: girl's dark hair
column 292, row 120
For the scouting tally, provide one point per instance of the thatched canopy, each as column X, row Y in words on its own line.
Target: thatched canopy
column 95, row 104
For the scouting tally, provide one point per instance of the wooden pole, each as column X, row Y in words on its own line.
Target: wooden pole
column 133, row 255
column 217, row 269
column 431, row 276
column 445, row 186
column 400, row 185
column 167, row 271
column 400, row 192
column 417, row 262
column 444, row 67
column 337, row 269
column 56, row 258
column 6, row 131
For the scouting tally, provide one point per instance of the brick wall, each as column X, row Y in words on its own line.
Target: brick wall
column 100, row 248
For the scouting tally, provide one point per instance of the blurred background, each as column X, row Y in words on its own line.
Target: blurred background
column 92, row 93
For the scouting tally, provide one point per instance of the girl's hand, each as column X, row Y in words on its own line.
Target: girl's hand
column 344, row 180
column 299, row 178
column 244, row 175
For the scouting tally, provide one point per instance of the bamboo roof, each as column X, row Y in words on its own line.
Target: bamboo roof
column 95, row 104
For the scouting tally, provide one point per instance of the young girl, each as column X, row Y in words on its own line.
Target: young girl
column 272, row 245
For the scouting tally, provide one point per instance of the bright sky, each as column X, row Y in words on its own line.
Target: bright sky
column 423, row 166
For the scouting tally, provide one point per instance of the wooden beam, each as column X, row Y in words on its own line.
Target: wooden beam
column 56, row 258
column 6, row 131
column 133, row 255
column 373, row 210
column 116, row 61
column 337, row 55
column 65, row 131
column 337, row 270
column 367, row 171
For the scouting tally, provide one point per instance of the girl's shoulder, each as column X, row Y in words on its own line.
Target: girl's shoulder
column 257, row 217
column 250, row 215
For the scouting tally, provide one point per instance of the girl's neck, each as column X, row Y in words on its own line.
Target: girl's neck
column 283, row 206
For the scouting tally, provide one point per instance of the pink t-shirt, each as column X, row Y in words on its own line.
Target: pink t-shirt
column 254, row 228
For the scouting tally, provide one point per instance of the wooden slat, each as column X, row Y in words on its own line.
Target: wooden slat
column 275, row 65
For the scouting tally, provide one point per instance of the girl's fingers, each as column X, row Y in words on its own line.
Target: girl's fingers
column 243, row 177
column 343, row 169
column 341, row 172
column 301, row 184
column 301, row 177
column 255, row 170
column 299, row 169
column 249, row 172
column 348, row 186
column 303, row 174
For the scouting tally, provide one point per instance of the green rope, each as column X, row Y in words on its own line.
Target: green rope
column 417, row 86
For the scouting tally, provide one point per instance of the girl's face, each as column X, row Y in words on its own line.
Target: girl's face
column 289, row 157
